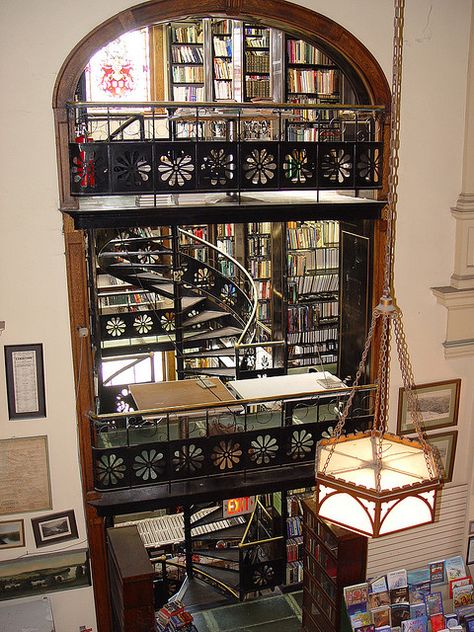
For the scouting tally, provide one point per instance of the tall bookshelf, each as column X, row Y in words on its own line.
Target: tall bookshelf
column 222, row 60
column 311, row 78
column 186, row 61
column 312, row 292
column 256, row 48
column 259, row 264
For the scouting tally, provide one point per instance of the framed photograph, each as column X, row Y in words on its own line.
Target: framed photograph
column 445, row 442
column 439, row 404
column 12, row 534
column 25, row 381
column 54, row 528
column 470, row 550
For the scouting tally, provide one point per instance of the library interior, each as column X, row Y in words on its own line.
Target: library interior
column 207, row 421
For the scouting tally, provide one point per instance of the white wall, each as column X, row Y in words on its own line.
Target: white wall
column 35, row 38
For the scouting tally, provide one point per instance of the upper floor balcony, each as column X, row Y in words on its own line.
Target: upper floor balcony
column 146, row 156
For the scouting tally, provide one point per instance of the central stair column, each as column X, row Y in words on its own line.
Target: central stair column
column 188, row 542
column 178, row 290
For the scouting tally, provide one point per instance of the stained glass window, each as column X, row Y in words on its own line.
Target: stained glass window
column 120, row 70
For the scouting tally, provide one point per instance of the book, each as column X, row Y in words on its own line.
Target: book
column 397, row 579
column 381, row 616
column 464, row 612
column 463, row 595
column 437, row 622
column 399, row 595
column 437, row 572
column 418, row 592
column 378, row 585
column 462, row 581
column 418, row 576
column 365, row 628
column 356, row 594
column 376, row 600
column 384, row 628
column 469, row 624
column 454, row 567
column 418, row 610
column 360, row 619
column 420, row 624
column 451, row 619
column 399, row 612
column 434, row 603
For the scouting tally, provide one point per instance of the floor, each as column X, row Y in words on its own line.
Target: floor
column 280, row 613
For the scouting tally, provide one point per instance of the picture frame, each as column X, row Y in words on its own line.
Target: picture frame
column 439, row 405
column 24, row 370
column 470, row 550
column 12, row 534
column 445, row 442
column 53, row 528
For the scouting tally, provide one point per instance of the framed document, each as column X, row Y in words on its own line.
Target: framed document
column 25, row 381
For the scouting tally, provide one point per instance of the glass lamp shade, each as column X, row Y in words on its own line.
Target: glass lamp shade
column 347, row 492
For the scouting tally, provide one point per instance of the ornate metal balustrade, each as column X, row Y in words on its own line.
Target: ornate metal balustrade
column 165, row 445
column 160, row 148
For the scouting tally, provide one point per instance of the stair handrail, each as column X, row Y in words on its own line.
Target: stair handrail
column 253, row 314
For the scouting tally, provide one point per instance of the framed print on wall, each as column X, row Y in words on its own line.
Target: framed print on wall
column 439, row 404
column 12, row 534
column 54, row 528
column 445, row 442
column 25, row 381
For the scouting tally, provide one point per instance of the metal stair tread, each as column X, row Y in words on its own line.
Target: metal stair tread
column 226, row 573
column 212, row 353
column 231, row 554
column 204, row 316
column 223, row 371
column 216, row 333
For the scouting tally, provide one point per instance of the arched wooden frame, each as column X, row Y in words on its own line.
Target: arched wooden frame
column 356, row 61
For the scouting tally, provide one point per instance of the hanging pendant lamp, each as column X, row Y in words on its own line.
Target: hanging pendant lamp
column 375, row 482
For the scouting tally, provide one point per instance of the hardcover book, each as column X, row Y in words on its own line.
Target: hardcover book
column 366, row 628
column 379, row 585
column 399, row 612
column 360, row 619
column 381, row 616
column 376, row 600
column 356, row 594
column 418, row 576
column 419, row 592
column 451, row 619
column 462, row 581
column 417, row 610
column 437, row 572
column 397, row 579
column 454, row 567
column 420, row 624
column 399, row 595
column 438, row 622
column 434, row 603
column 463, row 596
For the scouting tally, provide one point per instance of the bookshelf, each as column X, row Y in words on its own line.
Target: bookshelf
column 225, row 241
column 186, row 61
column 333, row 557
column 312, row 292
column 222, row 60
column 294, row 541
column 311, row 78
column 259, row 264
column 256, row 71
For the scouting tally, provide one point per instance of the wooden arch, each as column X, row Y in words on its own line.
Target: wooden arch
column 355, row 60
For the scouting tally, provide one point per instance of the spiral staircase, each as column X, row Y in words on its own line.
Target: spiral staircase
column 188, row 297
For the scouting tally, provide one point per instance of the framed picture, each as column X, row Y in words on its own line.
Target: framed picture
column 445, row 442
column 439, row 403
column 25, row 381
column 470, row 550
column 12, row 534
column 54, row 528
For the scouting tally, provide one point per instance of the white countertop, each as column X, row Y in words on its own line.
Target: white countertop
column 282, row 385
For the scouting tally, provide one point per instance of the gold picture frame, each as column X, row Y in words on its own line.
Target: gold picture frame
column 439, row 405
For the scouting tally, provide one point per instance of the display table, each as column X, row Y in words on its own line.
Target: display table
column 180, row 393
column 284, row 385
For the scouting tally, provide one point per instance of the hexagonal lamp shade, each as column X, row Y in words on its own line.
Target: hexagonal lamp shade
column 350, row 493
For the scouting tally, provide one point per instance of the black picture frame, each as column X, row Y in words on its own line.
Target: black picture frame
column 24, row 370
column 53, row 528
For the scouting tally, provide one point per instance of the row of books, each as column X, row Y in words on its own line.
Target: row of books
column 307, row 356
column 317, row 81
column 226, row 245
column 311, row 133
column 187, row 55
column 294, row 572
column 300, row 52
column 259, row 229
column 188, row 93
column 263, row 312
column 223, row 90
column 259, row 247
column 307, row 261
column 225, row 230
column 188, row 74
column 221, row 27
column 293, row 526
column 302, row 318
column 311, row 115
column 222, row 46
column 255, row 86
column 294, row 549
column 413, row 601
column 256, row 37
column 222, row 69
column 313, row 234
column 190, row 33
column 257, row 61
column 260, row 268
column 327, row 336
column 264, row 288
column 313, row 284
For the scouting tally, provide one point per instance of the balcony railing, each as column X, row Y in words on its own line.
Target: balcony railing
column 173, row 148
column 161, row 446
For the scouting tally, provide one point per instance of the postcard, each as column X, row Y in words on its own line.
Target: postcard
column 397, row 579
column 462, row 581
column 418, row 592
column 434, row 603
column 463, row 595
column 437, row 572
column 381, row 616
column 438, row 622
column 420, row 624
column 417, row 610
column 356, row 594
column 399, row 595
column 454, row 567
column 379, row 599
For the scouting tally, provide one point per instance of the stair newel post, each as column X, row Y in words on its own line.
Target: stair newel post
column 177, row 292
column 188, row 543
column 94, row 310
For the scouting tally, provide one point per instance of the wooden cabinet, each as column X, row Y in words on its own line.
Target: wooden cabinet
column 333, row 558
